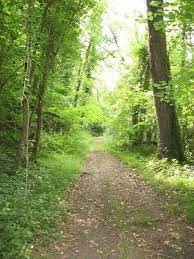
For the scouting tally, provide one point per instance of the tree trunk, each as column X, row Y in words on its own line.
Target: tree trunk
column 22, row 152
column 77, row 90
column 80, row 74
column 48, row 58
column 39, row 103
column 39, row 107
column 184, row 45
column 169, row 132
column 192, row 140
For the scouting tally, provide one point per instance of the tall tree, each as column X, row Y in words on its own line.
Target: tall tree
column 169, row 133
column 22, row 153
column 91, row 55
column 59, row 22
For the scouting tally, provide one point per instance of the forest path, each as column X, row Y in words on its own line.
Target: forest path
column 114, row 213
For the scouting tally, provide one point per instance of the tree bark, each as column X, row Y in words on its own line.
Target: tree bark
column 169, row 132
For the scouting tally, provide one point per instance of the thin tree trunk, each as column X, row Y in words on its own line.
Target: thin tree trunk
column 169, row 132
column 48, row 57
column 48, row 61
column 22, row 152
column 184, row 45
column 35, row 78
column 117, row 44
column 40, row 99
column 39, row 104
column 39, row 33
column 192, row 142
column 80, row 74
column 79, row 81
column 147, row 76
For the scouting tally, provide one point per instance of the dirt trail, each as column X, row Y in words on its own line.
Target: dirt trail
column 116, row 214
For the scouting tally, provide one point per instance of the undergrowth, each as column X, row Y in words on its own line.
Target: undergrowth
column 30, row 210
column 168, row 176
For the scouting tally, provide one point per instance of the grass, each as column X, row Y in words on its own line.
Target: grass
column 29, row 213
column 119, row 216
column 100, row 143
column 165, row 176
column 143, row 218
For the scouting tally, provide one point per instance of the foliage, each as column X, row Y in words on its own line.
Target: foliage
column 54, row 31
column 30, row 211
column 94, row 118
column 134, row 121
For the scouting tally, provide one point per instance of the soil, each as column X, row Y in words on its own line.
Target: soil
column 115, row 213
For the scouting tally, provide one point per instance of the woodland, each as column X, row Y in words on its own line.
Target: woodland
column 53, row 106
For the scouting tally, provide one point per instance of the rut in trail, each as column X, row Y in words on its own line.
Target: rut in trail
column 116, row 214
